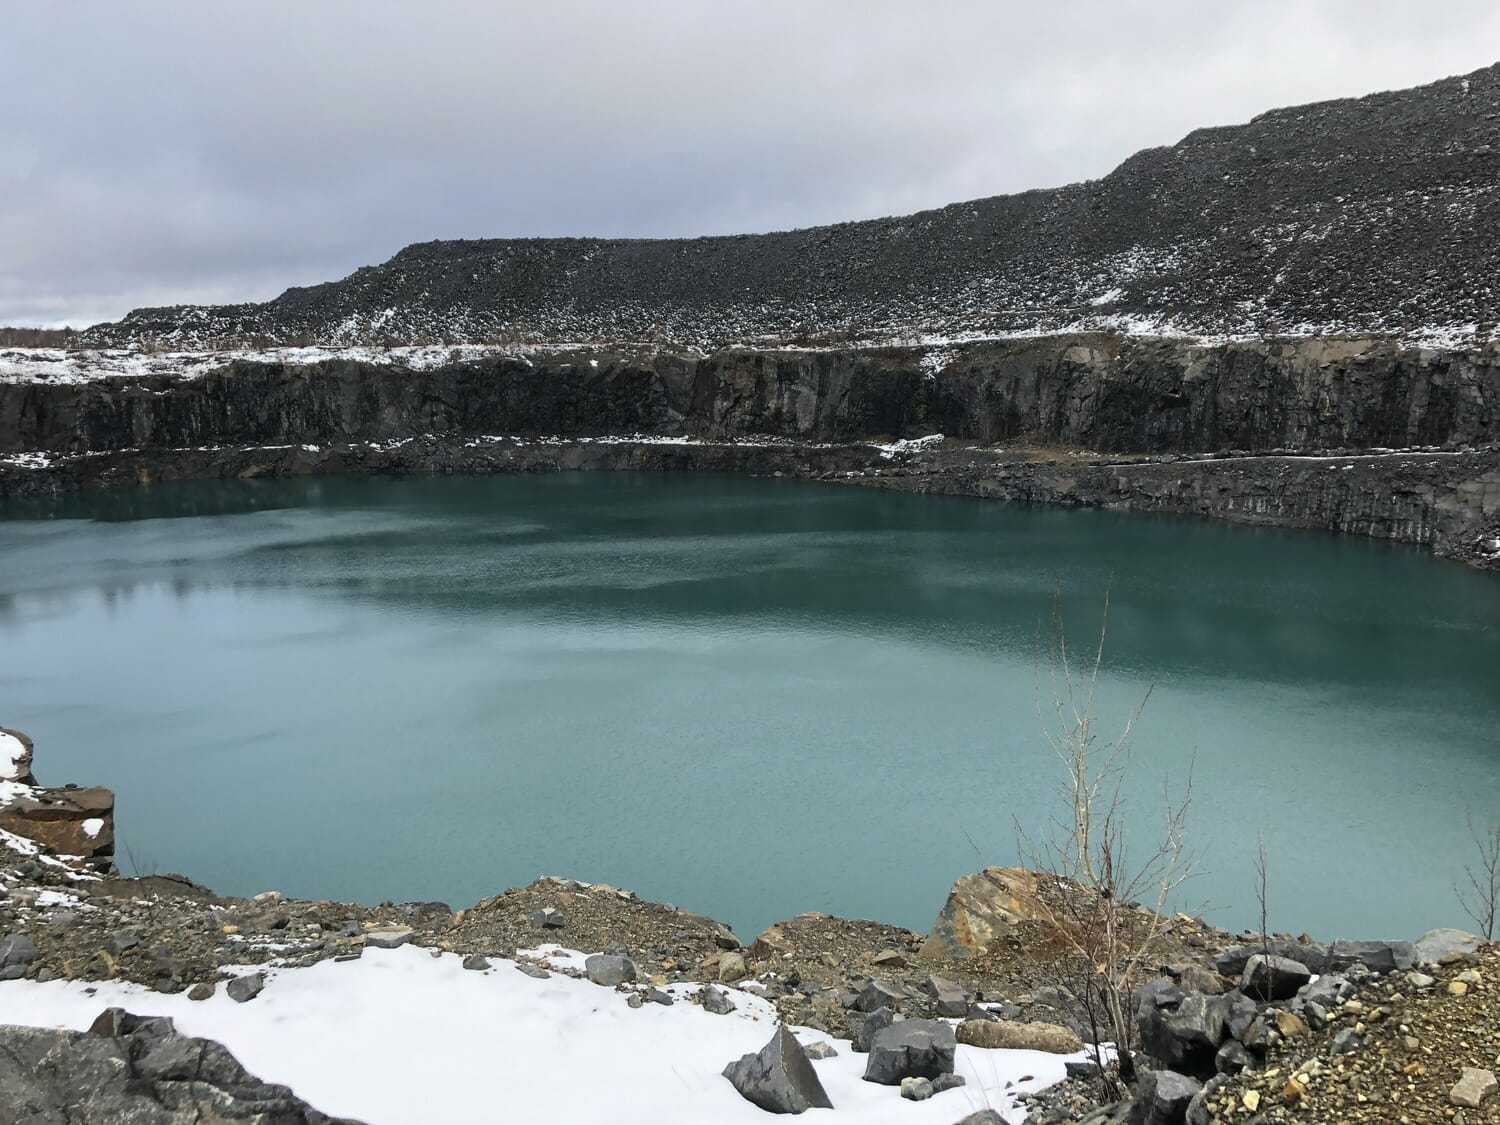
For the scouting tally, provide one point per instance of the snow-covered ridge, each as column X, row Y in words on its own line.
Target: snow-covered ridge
column 1370, row 215
column 142, row 361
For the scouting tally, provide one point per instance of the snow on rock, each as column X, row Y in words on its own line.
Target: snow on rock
column 400, row 1036
column 15, row 765
column 909, row 445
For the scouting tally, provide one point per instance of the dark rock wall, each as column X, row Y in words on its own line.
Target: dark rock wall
column 1099, row 392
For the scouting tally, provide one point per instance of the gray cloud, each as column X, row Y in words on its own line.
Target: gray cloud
column 170, row 150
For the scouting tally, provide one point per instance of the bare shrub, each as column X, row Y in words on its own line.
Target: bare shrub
column 1480, row 897
column 1110, row 910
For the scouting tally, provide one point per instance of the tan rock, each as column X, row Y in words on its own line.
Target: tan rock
column 772, row 939
column 732, row 967
column 1016, row 1036
column 981, row 909
column 1290, row 1024
column 1251, row 1100
column 1472, row 1087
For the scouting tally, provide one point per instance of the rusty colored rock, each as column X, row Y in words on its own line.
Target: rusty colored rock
column 68, row 822
column 981, row 909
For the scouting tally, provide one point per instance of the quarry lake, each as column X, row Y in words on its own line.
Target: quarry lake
column 749, row 697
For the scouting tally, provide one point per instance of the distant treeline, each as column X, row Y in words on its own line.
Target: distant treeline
column 37, row 337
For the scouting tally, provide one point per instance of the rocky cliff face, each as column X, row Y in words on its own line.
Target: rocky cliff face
column 1373, row 215
column 1099, row 392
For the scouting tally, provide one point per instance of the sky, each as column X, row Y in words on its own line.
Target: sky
column 173, row 151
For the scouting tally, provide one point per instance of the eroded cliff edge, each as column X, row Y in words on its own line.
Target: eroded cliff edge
column 1364, row 435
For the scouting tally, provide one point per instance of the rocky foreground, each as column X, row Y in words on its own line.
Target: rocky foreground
column 1230, row 1027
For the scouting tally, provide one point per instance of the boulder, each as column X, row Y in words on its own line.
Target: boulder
column 242, row 989
column 1233, row 1057
column 1444, row 947
column 911, row 1049
column 916, row 1089
column 1273, row 978
column 983, row 1117
column 477, row 962
column 879, row 994
column 1328, row 990
column 779, row 1078
column 773, row 939
column 732, row 967
column 1377, row 956
column 1181, row 1030
column 609, row 969
column 948, row 997
column 715, row 1000
column 1232, row 962
column 1162, row 1097
column 1052, row 1038
column 547, row 918
column 140, row 1070
column 981, row 909
column 389, row 938
column 1473, row 1087
column 17, row 951
column 876, row 1021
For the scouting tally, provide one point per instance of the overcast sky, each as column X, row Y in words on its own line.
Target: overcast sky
column 161, row 152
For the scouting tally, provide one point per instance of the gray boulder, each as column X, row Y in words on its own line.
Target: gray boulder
column 779, row 1078
column 245, row 988
column 1239, row 1014
column 1233, row 1057
column 548, row 918
column 875, row 1022
column 143, row 1072
column 1273, row 977
column 1232, row 962
column 948, row 997
column 1181, row 1030
column 1162, row 1097
column 1377, row 956
column 122, row 940
column 478, row 962
column 983, row 1117
column 1443, row 947
column 911, row 1049
column 16, row 952
column 879, row 994
column 609, row 969
column 1329, row 990
column 1345, row 1041
column 17, row 949
column 715, row 1000
column 388, row 939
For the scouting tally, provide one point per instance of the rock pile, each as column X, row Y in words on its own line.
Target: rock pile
column 129, row 1068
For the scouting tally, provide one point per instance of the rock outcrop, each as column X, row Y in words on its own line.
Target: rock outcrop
column 981, row 909
column 76, row 825
column 131, row 1069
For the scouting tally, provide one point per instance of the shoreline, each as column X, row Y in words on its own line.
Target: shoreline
column 1447, row 502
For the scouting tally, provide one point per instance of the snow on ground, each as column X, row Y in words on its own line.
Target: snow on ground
column 400, row 1037
column 909, row 445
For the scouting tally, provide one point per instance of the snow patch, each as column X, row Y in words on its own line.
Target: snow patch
column 400, row 1036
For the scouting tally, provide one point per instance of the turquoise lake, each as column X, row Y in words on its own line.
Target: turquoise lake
column 748, row 697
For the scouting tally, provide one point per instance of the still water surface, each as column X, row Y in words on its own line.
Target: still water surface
column 749, row 697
